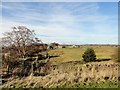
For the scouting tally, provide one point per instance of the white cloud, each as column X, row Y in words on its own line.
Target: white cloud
column 64, row 24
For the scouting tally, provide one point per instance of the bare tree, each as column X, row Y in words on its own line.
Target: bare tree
column 18, row 40
column 20, row 43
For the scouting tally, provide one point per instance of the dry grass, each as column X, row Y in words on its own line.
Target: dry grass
column 80, row 73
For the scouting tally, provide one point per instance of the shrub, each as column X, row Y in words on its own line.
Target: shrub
column 89, row 55
column 63, row 46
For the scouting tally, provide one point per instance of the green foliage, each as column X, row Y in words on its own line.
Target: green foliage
column 102, row 84
column 89, row 55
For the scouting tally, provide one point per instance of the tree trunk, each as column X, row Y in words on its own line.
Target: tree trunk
column 7, row 69
column 32, row 69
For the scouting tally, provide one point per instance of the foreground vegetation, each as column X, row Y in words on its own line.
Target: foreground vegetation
column 102, row 84
column 71, row 75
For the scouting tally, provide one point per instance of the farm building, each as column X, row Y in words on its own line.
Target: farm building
column 53, row 46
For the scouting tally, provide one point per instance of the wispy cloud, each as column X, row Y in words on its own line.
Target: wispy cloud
column 63, row 22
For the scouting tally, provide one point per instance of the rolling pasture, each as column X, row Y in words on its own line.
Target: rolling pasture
column 61, row 55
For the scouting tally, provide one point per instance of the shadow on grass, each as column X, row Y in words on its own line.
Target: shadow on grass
column 74, row 62
column 101, row 60
column 53, row 56
column 83, row 62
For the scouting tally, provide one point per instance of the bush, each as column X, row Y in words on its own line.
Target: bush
column 63, row 46
column 89, row 55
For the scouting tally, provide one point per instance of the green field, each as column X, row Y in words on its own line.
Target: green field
column 62, row 55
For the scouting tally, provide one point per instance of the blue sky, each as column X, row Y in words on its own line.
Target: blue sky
column 70, row 22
